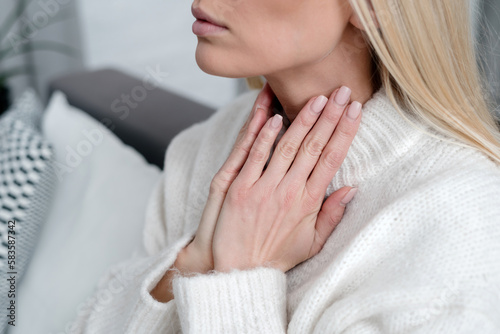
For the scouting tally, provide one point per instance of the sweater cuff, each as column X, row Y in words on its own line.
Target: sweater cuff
column 155, row 316
column 239, row 301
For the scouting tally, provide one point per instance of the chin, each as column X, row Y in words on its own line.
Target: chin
column 217, row 62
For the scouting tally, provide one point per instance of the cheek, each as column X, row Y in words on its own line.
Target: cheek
column 293, row 35
column 291, row 44
column 321, row 29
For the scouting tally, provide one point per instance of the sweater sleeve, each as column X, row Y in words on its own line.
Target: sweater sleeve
column 239, row 301
column 123, row 303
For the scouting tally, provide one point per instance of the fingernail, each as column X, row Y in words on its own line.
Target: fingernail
column 349, row 196
column 343, row 95
column 276, row 121
column 354, row 110
column 319, row 103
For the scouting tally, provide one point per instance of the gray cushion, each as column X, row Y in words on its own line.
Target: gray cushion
column 144, row 118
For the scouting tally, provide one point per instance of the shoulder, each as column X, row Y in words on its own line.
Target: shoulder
column 446, row 192
column 462, row 170
column 447, row 167
column 454, row 177
column 455, row 208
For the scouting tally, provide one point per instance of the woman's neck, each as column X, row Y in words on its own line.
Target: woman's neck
column 347, row 65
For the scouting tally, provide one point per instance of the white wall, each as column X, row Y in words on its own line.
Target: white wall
column 134, row 35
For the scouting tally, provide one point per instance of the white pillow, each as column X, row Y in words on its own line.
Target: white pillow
column 96, row 218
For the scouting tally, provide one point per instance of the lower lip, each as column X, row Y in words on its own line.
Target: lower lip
column 205, row 28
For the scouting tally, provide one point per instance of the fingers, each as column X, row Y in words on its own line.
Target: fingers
column 330, row 216
column 256, row 120
column 318, row 137
column 259, row 154
column 264, row 99
column 289, row 144
column 230, row 169
column 335, row 151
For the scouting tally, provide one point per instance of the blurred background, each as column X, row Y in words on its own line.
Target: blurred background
column 44, row 39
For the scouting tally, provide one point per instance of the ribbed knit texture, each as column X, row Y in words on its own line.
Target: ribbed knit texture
column 417, row 251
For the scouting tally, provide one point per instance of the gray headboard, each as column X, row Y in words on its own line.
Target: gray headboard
column 146, row 119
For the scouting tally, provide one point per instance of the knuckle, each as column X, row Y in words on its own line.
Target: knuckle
column 243, row 146
column 239, row 138
column 258, row 156
column 237, row 194
column 216, row 183
column 287, row 149
column 333, row 117
column 245, row 140
column 226, row 174
column 333, row 159
column 346, row 132
column 251, row 134
column 243, row 130
column 304, row 120
column 311, row 203
column 333, row 221
column 221, row 181
column 216, row 188
column 266, row 136
column 289, row 199
column 249, row 137
column 313, row 196
column 313, row 147
column 335, row 218
column 290, row 195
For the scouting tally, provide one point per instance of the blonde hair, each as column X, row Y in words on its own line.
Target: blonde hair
column 426, row 62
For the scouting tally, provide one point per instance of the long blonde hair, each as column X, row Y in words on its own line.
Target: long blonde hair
column 426, row 62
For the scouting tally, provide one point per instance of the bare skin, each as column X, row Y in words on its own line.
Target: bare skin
column 333, row 129
column 304, row 49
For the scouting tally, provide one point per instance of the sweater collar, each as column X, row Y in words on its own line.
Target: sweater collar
column 383, row 138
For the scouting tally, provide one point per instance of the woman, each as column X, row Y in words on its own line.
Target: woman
column 243, row 232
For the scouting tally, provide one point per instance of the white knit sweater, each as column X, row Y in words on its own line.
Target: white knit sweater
column 418, row 249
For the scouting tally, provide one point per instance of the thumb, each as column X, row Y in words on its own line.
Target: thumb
column 331, row 214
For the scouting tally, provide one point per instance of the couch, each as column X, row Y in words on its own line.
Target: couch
column 141, row 115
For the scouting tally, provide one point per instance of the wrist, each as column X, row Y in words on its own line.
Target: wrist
column 189, row 260
column 226, row 265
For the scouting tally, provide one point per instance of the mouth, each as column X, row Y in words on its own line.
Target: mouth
column 205, row 24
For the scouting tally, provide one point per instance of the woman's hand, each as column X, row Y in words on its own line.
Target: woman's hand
column 277, row 217
column 198, row 254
